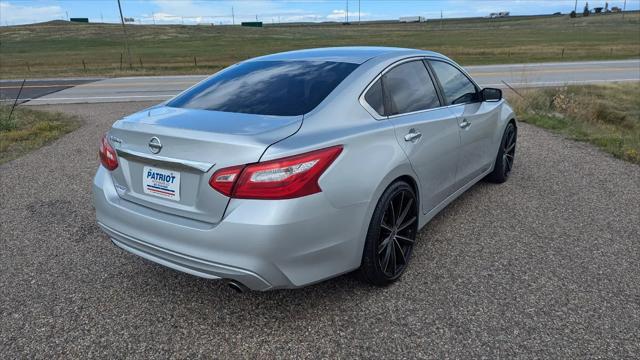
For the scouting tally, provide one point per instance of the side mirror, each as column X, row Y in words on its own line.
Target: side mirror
column 491, row 94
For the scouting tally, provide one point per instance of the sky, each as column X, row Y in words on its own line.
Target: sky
column 14, row 12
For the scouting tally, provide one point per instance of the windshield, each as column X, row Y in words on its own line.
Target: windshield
column 284, row 88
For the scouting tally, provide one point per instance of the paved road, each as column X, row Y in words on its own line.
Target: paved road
column 524, row 75
column 35, row 88
column 543, row 266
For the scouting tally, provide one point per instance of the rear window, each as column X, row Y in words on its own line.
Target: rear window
column 283, row 88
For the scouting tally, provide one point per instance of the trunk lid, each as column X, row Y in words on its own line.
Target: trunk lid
column 191, row 145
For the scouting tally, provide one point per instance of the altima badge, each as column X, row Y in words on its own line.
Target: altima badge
column 154, row 145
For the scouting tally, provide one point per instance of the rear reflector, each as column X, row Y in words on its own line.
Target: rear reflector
column 107, row 154
column 285, row 178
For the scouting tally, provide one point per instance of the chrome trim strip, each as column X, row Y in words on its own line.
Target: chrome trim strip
column 188, row 164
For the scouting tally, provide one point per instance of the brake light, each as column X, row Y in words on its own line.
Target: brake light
column 107, row 154
column 286, row 178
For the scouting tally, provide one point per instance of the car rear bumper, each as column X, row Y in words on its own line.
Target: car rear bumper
column 262, row 244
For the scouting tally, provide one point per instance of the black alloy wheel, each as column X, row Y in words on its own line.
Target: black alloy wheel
column 506, row 155
column 391, row 236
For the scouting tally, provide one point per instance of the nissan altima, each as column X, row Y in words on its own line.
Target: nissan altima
column 292, row 168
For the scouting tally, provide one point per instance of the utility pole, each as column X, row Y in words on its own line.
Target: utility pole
column 358, row 12
column 441, row 18
column 126, row 40
column 624, row 8
column 233, row 17
column 154, row 18
column 575, row 7
column 347, row 13
column 67, row 15
column 101, row 17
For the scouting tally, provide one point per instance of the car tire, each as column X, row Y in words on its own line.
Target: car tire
column 391, row 235
column 506, row 155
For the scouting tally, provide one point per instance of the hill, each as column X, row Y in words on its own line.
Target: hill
column 76, row 49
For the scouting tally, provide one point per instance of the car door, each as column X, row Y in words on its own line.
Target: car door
column 427, row 132
column 477, row 120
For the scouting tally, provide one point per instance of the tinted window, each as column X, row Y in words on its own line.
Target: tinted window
column 409, row 88
column 267, row 87
column 374, row 97
column 458, row 89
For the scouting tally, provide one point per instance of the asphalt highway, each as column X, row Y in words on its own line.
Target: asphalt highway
column 159, row 88
column 543, row 266
column 10, row 90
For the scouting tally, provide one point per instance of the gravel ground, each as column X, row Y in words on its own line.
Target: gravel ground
column 544, row 266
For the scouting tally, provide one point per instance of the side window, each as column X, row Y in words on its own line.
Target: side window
column 458, row 89
column 408, row 87
column 374, row 97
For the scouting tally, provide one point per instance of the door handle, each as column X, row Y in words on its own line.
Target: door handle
column 465, row 124
column 413, row 135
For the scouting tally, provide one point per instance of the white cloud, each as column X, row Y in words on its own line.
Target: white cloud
column 339, row 15
column 192, row 11
column 13, row 14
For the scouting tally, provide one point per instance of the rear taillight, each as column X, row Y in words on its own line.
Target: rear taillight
column 107, row 154
column 285, row 178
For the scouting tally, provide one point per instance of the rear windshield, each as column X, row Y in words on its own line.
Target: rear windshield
column 283, row 88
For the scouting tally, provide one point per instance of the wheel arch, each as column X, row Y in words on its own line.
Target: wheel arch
column 402, row 172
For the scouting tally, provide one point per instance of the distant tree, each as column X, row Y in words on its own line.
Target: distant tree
column 572, row 15
column 586, row 9
column 606, row 7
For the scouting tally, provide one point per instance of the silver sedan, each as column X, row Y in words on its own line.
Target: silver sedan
column 289, row 169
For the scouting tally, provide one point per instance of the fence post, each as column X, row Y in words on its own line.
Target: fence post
column 28, row 67
column 140, row 59
column 562, row 52
column 84, row 65
column 120, row 61
column 195, row 62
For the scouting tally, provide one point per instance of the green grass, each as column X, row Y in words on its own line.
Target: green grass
column 58, row 48
column 30, row 129
column 607, row 116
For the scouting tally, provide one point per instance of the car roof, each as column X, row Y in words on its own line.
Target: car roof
column 348, row 54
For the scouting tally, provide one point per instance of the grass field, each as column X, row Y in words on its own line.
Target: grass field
column 59, row 48
column 607, row 116
column 30, row 129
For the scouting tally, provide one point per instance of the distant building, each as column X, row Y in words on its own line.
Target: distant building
column 412, row 19
column 615, row 9
column 251, row 23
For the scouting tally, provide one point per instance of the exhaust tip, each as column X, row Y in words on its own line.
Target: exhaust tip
column 237, row 286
